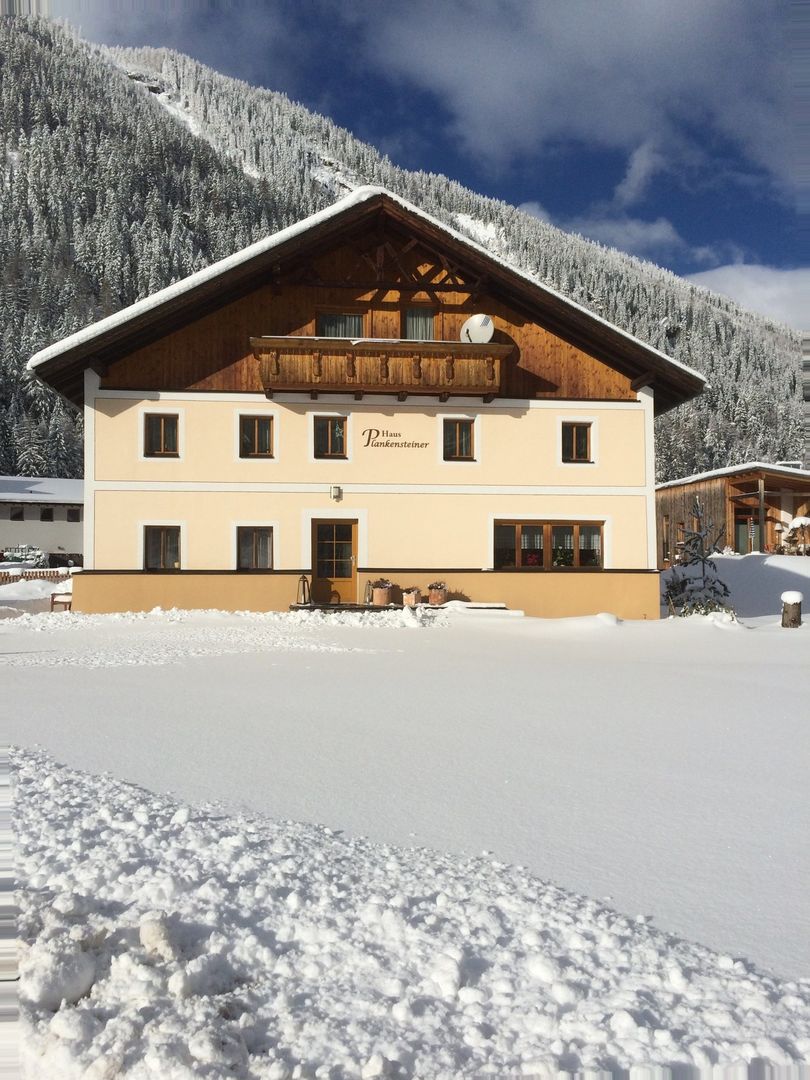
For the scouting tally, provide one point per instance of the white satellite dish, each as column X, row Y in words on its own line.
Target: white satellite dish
column 478, row 328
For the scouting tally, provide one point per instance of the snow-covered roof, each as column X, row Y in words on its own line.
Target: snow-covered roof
column 40, row 489
column 732, row 470
column 359, row 196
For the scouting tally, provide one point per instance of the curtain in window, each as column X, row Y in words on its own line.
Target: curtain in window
column 419, row 324
column 342, row 326
column 590, row 545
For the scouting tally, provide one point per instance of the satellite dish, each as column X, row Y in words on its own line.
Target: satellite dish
column 478, row 328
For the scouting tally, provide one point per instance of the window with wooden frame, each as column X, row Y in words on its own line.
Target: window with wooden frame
column 418, row 323
column 255, row 436
column 46, row 513
column 330, row 436
column 74, row 514
column 576, row 443
column 160, row 435
column 339, row 324
column 17, row 513
column 254, row 547
column 161, row 547
column 547, row 545
column 459, row 444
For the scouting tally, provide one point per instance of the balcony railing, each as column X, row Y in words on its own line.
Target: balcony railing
column 376, row 366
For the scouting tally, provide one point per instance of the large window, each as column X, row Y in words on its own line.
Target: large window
column 330, row 436
column 254, row 548
column 255, row 436
column 545, row 545
column 576, row 443
column 160, row 435
column 345, row 324
column 161, row 547
column 417, row 324
column 458, row 440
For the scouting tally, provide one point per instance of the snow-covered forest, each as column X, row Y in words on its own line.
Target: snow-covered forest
column 124, row 170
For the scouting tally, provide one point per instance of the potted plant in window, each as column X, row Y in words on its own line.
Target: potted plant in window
column 437, row 592
column 412, row 596
column 381, row 592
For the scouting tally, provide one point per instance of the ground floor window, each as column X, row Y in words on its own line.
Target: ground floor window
column 161, row 547
column 547, row 545
column 254, row 548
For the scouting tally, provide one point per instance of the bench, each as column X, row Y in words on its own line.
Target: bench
column 63, row 600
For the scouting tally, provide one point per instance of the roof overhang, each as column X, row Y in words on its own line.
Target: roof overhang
column 63, row 364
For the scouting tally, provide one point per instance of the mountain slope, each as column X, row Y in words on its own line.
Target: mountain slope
column 126, row 169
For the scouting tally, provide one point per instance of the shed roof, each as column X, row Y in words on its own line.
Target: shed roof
column 788, row 471
column 41, row 489
column 62, row 364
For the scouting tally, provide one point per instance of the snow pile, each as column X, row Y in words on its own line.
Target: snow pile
column 756, row 582
column 204, row 633
column 164, row 940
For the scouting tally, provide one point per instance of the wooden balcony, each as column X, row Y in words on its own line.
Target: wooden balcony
column 375, row 366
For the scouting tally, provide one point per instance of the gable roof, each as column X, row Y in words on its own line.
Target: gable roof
column 62, row 364
column 787, row 471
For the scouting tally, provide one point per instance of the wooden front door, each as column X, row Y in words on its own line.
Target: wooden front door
column 334, row 562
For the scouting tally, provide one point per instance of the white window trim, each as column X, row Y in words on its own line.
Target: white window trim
column 236, row 525
column 275, row 431
column 161, row 523
column 594, row 441
column 334, row 461
column 477, row 448
column 169, row 410
column 607, row 531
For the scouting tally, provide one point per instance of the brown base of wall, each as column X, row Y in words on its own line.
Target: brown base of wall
column 629, row 594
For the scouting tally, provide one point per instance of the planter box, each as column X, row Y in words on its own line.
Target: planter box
column 381, row 597
column 412, row 599
column 437, row 596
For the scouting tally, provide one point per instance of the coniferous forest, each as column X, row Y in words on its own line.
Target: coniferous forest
column 124, row 170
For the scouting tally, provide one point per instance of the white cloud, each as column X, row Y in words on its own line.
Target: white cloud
column 783, row 295
column 639, row 76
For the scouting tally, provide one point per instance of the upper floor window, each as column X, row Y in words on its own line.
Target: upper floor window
column 458, row 440
column 339, row 324
column 46, row 513
column 545, row 545
column 576, row 442
column 417, row 324
column 160, row 435
column 74, row 513
column 330, row 436
column 254, row 548
column 161, row 547
column 255, row 436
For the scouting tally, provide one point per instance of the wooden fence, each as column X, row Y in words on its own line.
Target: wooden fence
column 30, row 575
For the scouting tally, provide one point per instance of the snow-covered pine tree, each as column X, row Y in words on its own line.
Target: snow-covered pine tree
column 691, row 586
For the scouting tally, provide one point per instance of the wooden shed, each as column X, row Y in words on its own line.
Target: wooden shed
column 751, row 506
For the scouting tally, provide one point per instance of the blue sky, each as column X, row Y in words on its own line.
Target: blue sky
column 669, row 130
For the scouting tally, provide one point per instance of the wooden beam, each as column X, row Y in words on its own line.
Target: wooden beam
column 443, row 397
column 642, row 381
column 314, row 395
column 762, row 518
column 402, row 395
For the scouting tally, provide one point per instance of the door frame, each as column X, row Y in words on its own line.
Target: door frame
column 351, row 587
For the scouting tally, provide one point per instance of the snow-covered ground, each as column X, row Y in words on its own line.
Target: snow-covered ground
column 169, row 942
column 657, row 768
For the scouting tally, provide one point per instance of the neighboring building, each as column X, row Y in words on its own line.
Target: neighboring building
column 42, row 512
column 751, row 506
column 307, row 406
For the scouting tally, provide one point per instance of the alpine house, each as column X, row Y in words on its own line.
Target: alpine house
column 366, row 394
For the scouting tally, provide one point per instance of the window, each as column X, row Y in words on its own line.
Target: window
column 255, row 436
column 161, row 547
column 160, row 435
column 458, row 440
column 339, row 324
column 330, row 436
column 46, row 513
column 74, row 514
column 254, row 548
column 417, row 324
column 576, row 442
column 17, row 513
column 543, row 545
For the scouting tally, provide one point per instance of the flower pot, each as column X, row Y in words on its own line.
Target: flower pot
column 412, row 599
column 381, row 597
column 437, row 596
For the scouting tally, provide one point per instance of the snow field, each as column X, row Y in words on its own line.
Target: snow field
column 165, row 940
